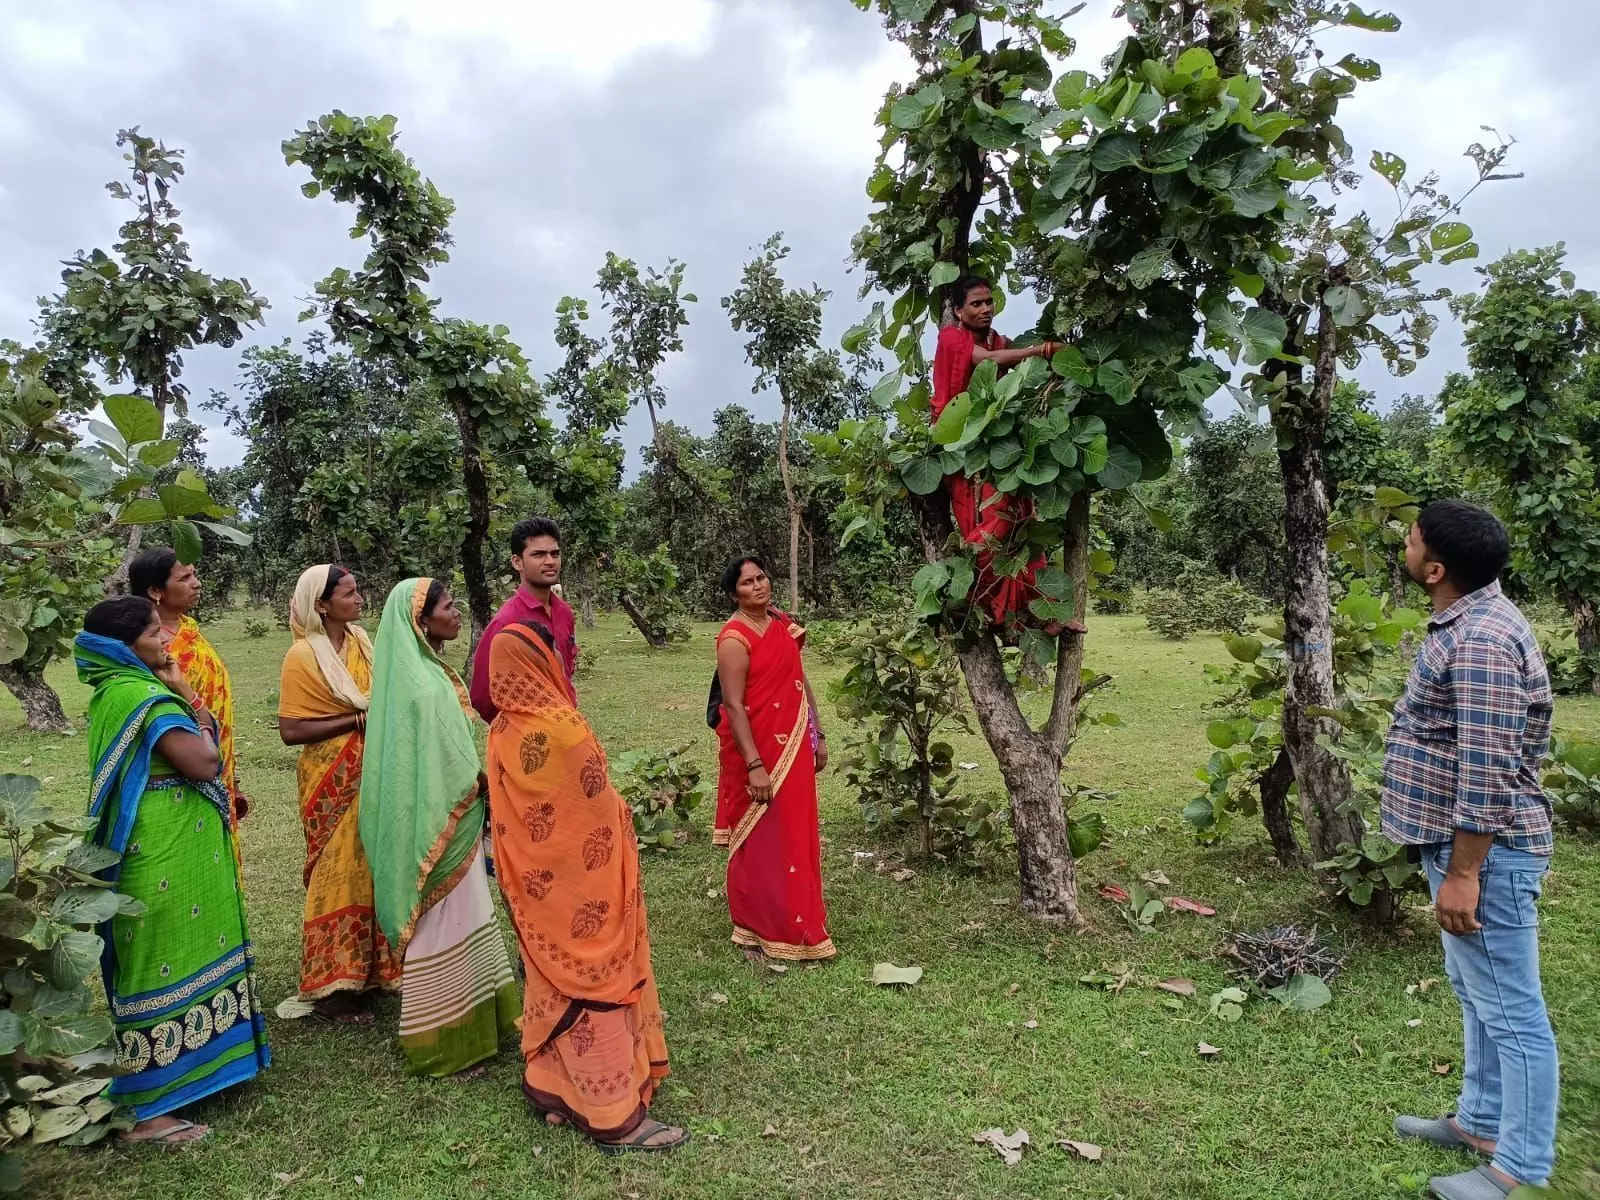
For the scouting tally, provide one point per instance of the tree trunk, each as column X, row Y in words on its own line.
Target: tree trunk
column 586, row 608
column 475, row 539
column 1307, row 613
column 1274, row 787
column 1397, row 597
column 41, row 707
column 636, row 615
column 1030, row 760
column 794, row 509
column 1586, row 624
column 117, row 581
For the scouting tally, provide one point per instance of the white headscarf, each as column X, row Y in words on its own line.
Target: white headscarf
column 306, row 622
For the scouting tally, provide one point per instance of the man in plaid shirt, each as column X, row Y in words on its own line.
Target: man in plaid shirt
column 1461, row 786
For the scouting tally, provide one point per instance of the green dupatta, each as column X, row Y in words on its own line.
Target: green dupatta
column 422, row 810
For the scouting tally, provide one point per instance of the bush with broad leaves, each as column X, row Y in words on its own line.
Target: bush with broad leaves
column 56, row 1056
column 662, row 791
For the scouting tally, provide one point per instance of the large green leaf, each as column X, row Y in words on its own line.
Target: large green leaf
column 922, row 475
column 136, row 419
column 1085, row 831
column 146, row 510
column 1305, row 992
column 1122, row 469
column 13, row 1030
column 1263, row 331
column 1114, row 379
column 227, row 533
column 63, row 1036
column 13, row 642
column 84, row 906
column 158, row 454
column 186, row 542
column 947, row 429
column 1112, row 151
column 73, row 958
column 184, row 502
column 943, row 273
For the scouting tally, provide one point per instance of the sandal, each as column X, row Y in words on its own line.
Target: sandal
column 169, row 1138
column 639, row 1140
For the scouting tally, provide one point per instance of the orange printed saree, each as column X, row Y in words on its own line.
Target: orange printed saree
column 343, row 949
column 568, row 866
column 774, row 850
column 202, row 666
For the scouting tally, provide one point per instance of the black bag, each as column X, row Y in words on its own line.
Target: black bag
column 714, row 702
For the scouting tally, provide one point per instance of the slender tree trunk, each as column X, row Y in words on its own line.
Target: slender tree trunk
column 117, row 581
column 1307, row 612
column 475, row 539
column 1274, row 787
column 1397, row 597
column 41, row 707
column 794, row 509
column 636, row 615
column 1030, row 760
column 1586, row 624
column 586, row 608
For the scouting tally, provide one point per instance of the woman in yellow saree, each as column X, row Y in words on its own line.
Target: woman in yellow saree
column 175, row 589
column 568, row 866
column 322, row 706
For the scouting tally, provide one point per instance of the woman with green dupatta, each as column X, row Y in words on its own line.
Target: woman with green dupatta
column 422, row 818
column 179, row 975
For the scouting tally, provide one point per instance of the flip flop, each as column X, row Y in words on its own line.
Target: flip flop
column 639, row 1141
column 164, row 1139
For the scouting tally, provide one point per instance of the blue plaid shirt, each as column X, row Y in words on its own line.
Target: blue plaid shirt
column 1471, row 731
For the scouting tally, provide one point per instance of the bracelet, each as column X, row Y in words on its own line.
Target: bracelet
column 757, row 765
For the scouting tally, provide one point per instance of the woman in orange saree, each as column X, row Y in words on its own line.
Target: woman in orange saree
column 771, row 750
column 322, row 706
column 175, row 589
column 568, row 866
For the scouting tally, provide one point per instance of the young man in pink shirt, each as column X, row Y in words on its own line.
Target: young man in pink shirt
column 536, row 560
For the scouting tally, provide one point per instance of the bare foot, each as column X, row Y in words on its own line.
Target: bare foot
column 165, row 1131
column 649, row 1136
column 554, row 1119
column 469, row 1074
column 1057, row 628
column 753, row 953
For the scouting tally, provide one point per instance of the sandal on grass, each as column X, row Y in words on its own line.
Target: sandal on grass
column 639, row 1140
column 170, row 1138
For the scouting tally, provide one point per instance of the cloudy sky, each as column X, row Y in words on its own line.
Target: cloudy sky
column 656, row 128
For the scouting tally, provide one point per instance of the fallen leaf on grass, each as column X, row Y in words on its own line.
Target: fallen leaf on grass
column 1422, row 985
column 771, row 1131
column 717, row 998
column 712, row 893
column 1087, row 1151
column 293, row 1009
column 968, row 766
column 1013, row 989
column 860, row 854
column 287, row 1176
column 1007, row 1146
column 1030, row 1024
column 885, row 974
column 1414, row 1022
column 903, row 874
column 1305, row 992
column 1178, row 987
column 537, row 1150
column 1156, row 879
column 971, row 927
column 1207, row 1050
column 1190, row 906
column 1001, row 903
column 1111, row 891
column 777, row 968
column 1441, row 1068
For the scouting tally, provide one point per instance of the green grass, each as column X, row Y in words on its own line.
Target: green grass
column 874, row 1091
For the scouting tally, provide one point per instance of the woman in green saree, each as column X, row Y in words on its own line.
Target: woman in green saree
column 422, row 818
column 179, row 976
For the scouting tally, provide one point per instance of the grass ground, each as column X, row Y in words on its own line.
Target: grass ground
column 814, row 1083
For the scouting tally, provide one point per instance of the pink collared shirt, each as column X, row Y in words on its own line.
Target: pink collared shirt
column 557, row 616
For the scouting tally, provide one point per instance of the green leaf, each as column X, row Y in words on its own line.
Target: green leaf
column 1220, row 734
column 156, row 455
column 136, row 419
column 1114, row 380
column 1122, row 468
column 1113, row 151
column 1361, row 68
column 84, row 906
column 73, row 959
column 186, row 542
column 1200, row 813
column 65, row 1036
column 1148, row 265
column 1356, row 18
column 886, row 389
column 146, row 510
column 943, row 273
column 1172, row 147
column 1085, row 832
column 1245, row 649
column 947, row 429
column 109, row 435
column 1346, row 304
column 1070, row 173
column 1263, row 332
column 182, row 501
column 1251, row 285
column 1069, row 363
column 1392, row 497
column 1197, row 62
column 1448, row 234
column 13, row 1030
column 13, row 642
column 227, row 533
column 1095, row 455
column 923, row 475
column 1304, row 992
column 1257, row 198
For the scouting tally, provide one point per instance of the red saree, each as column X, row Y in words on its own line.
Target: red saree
column 774, row 850
column 984, row 516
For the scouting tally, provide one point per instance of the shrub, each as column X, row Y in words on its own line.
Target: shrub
column 1572, row 671
column 588, row 660
column 662, row 790
column 1572, row 781
column 56, row 1056
column 1201, row 600
column 254, row 627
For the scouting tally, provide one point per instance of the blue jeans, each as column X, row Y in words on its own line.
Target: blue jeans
column 1509, row 1080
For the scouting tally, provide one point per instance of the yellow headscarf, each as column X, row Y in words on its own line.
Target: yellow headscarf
column 306, row 622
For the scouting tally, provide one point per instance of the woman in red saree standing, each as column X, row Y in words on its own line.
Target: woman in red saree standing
column 771, row 750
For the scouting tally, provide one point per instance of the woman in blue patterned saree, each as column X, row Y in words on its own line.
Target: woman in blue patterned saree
column 178, row 974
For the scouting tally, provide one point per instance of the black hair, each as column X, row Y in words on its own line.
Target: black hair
column 735, row 567
column 151, row 569
column 124, row 618
column 963, row 286
column 525, row 531
column 335, row 574
column 538, row 627
column 1469, row 542
column 436, row 590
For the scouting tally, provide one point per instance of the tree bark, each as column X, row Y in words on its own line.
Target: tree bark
column 1324, row 781
column 41, row 707
column 794, row 509
column 1274, row 788
column 475, row 539
column 636, row 615
column 1029, row 759
column 1586, row 625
